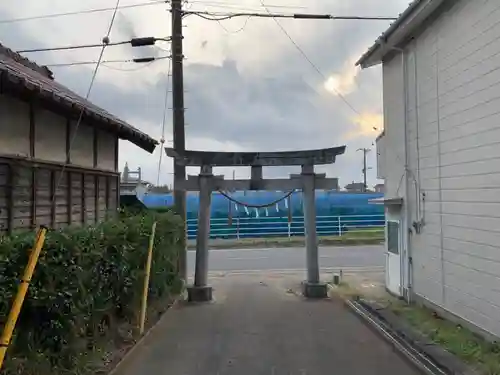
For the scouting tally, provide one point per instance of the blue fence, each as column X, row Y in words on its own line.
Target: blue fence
column 337, row 212
column 252, row 227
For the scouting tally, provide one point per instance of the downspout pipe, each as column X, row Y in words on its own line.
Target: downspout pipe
column 407, row 266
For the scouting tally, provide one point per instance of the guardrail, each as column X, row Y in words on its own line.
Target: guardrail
column 258, row 227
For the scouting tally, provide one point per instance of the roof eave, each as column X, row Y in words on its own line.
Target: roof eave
column 405, row 25
column 148, row 145
column 139, row 139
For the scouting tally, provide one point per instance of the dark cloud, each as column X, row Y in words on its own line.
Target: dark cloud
column 281, row 107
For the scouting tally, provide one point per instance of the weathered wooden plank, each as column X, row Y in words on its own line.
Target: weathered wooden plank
column 21, row 212
column 43, row 177
column 21, row 223
column 4, row 213
column 5, row 199
column 44, row 220
column 69, row 193
column 4, row 226
column 4, row 174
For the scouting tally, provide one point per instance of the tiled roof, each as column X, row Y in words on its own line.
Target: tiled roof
column 17, row 72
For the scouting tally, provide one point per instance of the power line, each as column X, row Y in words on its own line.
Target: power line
column 223, row 4
column 313, row 65
column 92, row 80
column 164, row 122
column 135, row 42
column 238, row 7
column 141, row 60
column 78, row 12
column 130, row 6
column 220, row 16
column 96, row 45
column 234, row 31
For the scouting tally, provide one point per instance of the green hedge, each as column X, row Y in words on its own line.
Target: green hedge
column 87, row 283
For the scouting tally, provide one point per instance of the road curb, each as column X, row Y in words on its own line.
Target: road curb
column 417, row 349
column 132, row 352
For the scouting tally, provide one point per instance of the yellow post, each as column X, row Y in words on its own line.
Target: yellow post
column 21, row 294
column 146, row 279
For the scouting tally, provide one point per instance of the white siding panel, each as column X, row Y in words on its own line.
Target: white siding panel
column 481, row 265
column 469, row 155
column 466, row 130
column 429, row 287
column 478, row 250
column 472, row 195
column 485, row 166
column 472, row 309
column 484, row 181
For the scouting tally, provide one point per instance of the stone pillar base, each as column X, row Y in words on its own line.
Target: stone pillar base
column 199, row 293
column 313, row 290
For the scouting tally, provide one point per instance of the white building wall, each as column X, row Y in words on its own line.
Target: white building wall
column 453, row 120
column 393, row 157
column 14, row 127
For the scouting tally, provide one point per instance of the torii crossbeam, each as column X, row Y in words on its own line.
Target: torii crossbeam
column 206, row 183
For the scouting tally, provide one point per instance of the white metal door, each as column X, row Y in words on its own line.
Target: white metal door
column 393, row 260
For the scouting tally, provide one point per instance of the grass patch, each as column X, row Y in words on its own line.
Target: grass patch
column 470, row 347
column 344, row 290
column 482, row 355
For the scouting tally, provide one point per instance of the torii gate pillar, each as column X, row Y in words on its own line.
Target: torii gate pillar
column 311, row 287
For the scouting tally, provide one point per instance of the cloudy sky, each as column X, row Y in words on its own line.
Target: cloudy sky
column 247, row 86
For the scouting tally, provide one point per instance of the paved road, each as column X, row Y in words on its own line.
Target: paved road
column 290, row 258
column 260, row 326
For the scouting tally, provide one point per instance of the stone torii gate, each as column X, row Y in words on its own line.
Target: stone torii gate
column 206, row 183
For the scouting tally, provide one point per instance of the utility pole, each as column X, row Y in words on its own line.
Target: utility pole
column 365, row 151
column 178, row 125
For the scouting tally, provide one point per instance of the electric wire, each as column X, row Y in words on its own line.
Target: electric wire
column 135, row 69
column 311, row 63
column 92, row 62
column 135, row 42
column 226, row 15
column 80, row 46
column 234, row 31
column 79, row 12
column 130, row 6
column 230, row 5
column 164, row 122
column 226, row 195
column 82, row 111
column 238, row 7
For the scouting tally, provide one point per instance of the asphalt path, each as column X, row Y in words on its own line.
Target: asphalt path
column 291, row 259
column 262, row 326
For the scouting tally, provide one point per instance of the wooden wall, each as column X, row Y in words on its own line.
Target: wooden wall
column 33, row 194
